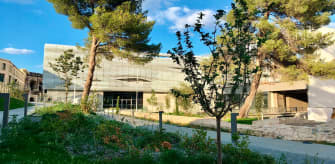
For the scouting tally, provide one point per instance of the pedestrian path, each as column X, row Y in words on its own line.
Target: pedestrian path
column 295, row 152
column 19, row 112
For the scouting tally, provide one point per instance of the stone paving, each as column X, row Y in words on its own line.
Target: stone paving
column 282, row 128
column 19, row 112
column 295, row 152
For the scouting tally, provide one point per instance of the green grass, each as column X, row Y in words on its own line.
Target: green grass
column 14, row 104
column 188, row 114
column 247, row 121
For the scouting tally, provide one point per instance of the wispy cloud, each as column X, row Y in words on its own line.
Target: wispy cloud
column 179, row 16
column 15, row 51
column 39, row 66
column 331, row 25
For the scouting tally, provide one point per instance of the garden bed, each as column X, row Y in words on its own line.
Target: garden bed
column 74, row 137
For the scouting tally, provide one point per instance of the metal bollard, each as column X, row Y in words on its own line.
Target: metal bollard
column 233, row 123
column 25, row 98
column 6, row 108
column 161, row 120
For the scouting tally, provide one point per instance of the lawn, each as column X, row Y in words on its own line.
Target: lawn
column 247, row 121
column 14, row 103
column 70, row 136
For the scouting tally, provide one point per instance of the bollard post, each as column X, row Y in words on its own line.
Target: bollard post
column 160, row 120
column 233, row 123
column 5, row 96
column 25, row 98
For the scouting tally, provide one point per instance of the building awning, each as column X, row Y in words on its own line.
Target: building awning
column 283, row 86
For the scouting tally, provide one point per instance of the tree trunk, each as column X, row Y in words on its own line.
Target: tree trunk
column 244, row 110
column 218, row 140
column 90, row 74
column 66, row 93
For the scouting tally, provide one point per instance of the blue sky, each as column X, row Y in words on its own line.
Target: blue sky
column 26, row 25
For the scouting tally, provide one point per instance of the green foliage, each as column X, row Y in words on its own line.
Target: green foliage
column 14, row 103
column 67, row 66
column 56, row 108
column 240, row 153
column 69, row 136
column 15, row 91
column 93, row 102
column 198, row 142
column 259, row 102
column 247, row 121
column 153, row 99
column 167, row 102
column 117, row 28
column 183, row 94
column 289, row 30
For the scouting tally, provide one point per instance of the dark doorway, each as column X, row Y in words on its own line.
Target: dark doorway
column 127, row 100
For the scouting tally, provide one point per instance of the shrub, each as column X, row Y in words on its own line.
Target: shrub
column 56, row 108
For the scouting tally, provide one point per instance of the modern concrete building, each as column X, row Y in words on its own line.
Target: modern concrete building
column 9, row 73
column 315, row 96
column 132, row 83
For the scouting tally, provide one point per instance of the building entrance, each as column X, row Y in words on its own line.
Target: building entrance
column 127, row 100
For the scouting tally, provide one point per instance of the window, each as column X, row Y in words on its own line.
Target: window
column 3, row 66
column 2, row 77
column 9, row 79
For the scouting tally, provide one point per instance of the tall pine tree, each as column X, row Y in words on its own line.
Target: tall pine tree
column 116, row 28
column 289, row 30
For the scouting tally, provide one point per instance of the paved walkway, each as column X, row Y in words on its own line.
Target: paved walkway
column 295, row 152
column 19, row 112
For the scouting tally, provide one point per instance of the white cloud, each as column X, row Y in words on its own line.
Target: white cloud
column 331, row 25
column 15, row 51
column 163, row 12
column 181, row 16
column 39, row 66
column 19, row 1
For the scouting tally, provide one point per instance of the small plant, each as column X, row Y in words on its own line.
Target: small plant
column 259, row 103
column 198, row 142
column 167, row 102
column 93, row 102
column 152, row 101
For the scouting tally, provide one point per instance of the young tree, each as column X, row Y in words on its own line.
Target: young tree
column 153, row 99
column 116, row 28
column 67, row 66
column 259, row 103
column 289, row 28
column 231, row 58
column 183, row 95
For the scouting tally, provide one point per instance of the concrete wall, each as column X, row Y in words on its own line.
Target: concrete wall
column 321, row 99
column 194, row 108
column 161, row 74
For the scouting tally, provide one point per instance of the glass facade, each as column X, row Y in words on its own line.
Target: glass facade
column 127, row 100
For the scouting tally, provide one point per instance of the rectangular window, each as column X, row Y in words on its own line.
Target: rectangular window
column 3, row 66
column 9, row 79
column 2, row 77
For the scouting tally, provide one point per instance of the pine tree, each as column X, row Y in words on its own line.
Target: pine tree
column 288, row 28
column 116, row 28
